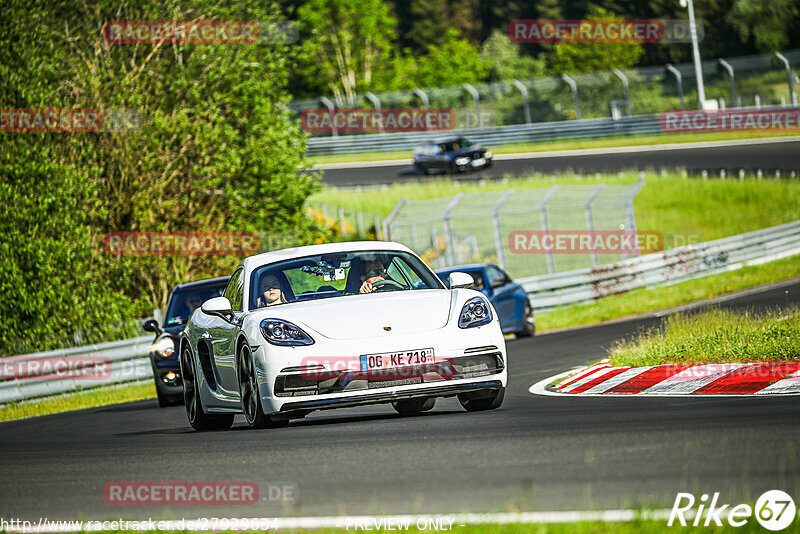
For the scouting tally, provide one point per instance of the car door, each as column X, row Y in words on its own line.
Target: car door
column 223, row 337
column 501, row 293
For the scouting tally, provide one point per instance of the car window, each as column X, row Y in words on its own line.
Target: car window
column 235, row 290
column 477, row 276
column 183, row 303
column 341, row 274
column 496, row 276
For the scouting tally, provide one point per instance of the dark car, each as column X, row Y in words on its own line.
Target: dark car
column 507, row 297
column 185, row 298
column 450, row 155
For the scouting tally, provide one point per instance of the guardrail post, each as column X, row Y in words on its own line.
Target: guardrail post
column 679, row 79
column 378, row 229
column 331, row 109
column 499, row 242
column 587, row 208
column 727, row 66
column 574, row 88
column 448, row 232
column 376, row 103
column 360, row 222
column 387, row 222
column 792, row 94
column 551, row 263
column 621, row 75
column 475, row 98
column 525, row 101
column 630, row 216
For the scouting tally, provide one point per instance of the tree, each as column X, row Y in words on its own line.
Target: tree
column 505, row 61
column 454, row 63
column 344, row 43
column 766, row 22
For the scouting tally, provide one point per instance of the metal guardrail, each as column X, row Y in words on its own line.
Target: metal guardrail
column 499, row 135
column 130, row 363
column 548, row 291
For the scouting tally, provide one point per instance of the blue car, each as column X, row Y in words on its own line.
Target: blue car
column 507, row 297
column 185, row 298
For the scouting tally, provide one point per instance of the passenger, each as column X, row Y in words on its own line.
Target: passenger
column 270, row 291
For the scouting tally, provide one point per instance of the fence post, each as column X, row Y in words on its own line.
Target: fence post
column 376, row 103
column 499, row 243
column 331, row 109
column 423, row 96
column 727, row 66
column 476, row 98
column 679, row 79
column 448, row 233
column 387, row 222
column 792, row 94
column 621, row 76
column 525, row 101
column 587, row 208
column 630, row 216
column 360, row 223
column 342, row 221
column 574, row 88
column 551, row 264
column 379, row 230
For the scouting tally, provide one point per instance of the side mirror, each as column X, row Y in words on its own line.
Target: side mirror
column 151, row 325
column 219, row 306
column 460, row 280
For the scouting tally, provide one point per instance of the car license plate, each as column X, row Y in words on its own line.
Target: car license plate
column 396, row 359
column 478, row 162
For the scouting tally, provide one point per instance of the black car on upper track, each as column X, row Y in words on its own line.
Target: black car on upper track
column 450, row 155
column 185, row 298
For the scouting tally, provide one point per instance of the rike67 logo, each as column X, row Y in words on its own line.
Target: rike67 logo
column 774, row 510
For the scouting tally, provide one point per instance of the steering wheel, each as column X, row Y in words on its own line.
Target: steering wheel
column 388, row 284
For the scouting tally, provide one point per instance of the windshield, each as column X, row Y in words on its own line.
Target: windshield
column 338, row 274
column 184, row 302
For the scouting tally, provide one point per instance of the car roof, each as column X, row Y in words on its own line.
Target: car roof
column 197, row 284
column 465, row 266
column 258, row 260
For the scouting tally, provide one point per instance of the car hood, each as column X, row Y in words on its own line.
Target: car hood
column 468, row 151
column 361, row 316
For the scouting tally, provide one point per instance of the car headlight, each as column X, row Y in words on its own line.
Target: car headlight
column 476, row 312
column 163, row 348
column 284, row 333
column 462, row 161
column 487, row 154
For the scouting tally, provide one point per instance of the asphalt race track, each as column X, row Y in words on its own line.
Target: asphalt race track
column 770, row 155
column 535, row 453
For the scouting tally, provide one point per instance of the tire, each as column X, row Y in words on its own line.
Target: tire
column 414, row 406
column 165, row 400
column 485, row 403
column 191, row 397
column 248, row 391
column 528, row 322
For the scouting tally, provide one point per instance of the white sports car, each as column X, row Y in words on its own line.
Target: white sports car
column 339, row 325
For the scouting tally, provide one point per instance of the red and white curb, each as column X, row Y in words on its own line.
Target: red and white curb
column 711, row 379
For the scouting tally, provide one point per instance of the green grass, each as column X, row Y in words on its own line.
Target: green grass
column 645, row 300
column 575, row 144
column 683, row 209
column 78, row 401
column 715, row 336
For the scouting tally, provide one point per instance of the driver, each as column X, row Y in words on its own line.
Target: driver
column 270, row 291
column 373, row 272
